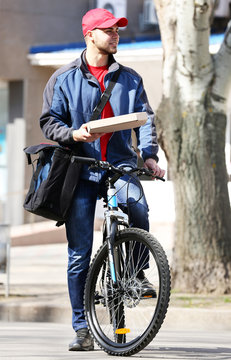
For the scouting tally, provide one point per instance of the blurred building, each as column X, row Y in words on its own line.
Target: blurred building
column 38, row 36
column 222, row 15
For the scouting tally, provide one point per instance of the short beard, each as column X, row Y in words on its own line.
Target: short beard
column 106, row 51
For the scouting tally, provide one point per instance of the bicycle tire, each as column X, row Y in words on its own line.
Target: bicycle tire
column 140, row 330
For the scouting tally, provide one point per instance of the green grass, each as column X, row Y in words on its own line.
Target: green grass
column 199, row 300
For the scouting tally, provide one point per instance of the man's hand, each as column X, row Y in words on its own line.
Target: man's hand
column 83, row 135
column 151, row 164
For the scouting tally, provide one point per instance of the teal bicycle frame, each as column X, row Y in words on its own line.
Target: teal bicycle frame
column 113, row 217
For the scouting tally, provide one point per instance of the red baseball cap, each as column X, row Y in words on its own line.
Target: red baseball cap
column 101, row 19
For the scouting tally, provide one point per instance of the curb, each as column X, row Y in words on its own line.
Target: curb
column 177, row 318
column 198, row 319
column 29, row 312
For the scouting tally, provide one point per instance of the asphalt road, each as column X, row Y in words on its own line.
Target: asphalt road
column 49, row 341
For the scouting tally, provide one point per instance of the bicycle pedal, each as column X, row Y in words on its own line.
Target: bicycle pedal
column 151, row 295
column 148, row 297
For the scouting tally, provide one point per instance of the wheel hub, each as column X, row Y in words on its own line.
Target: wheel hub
column 131, row 291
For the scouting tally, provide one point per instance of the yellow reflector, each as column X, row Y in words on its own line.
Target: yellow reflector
column 122, row 331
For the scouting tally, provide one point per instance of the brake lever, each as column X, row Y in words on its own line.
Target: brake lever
column 150, row 173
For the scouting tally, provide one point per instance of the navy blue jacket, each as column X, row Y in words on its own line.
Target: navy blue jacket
column 70, row 97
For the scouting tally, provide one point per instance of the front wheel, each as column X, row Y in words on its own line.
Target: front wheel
column 138, row 315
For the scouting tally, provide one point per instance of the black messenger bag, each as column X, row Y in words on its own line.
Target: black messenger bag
column 54, row 180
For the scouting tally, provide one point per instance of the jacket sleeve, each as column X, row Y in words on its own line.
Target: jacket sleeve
column 146, row 134
column 55, row 120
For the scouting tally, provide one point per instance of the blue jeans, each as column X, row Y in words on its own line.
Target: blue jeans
column 79, row 230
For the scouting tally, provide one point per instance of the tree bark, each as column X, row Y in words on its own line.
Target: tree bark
column 191, row 123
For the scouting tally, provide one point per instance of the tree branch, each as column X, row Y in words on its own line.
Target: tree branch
column 194, row 63
column 222, row 61
column 167, row 22
column 193, row 30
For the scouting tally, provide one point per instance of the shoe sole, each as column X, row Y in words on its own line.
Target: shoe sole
column 88, row 348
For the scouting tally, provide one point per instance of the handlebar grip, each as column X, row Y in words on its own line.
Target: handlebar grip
column 150, row 173
column 84, row 160
column 159, row 178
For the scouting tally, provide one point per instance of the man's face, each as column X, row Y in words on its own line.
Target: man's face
column 106, row 40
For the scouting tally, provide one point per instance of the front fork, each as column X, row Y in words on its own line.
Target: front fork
column 113, row 219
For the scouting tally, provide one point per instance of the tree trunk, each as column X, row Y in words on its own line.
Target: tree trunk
column 191, row 123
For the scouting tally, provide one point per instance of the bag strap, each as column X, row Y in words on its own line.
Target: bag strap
column 106, row 95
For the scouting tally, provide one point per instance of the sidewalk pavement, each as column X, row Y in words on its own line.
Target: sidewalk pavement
column 38, row 289
column 49, row 341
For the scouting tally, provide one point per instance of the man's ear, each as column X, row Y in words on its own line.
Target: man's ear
column 90, row 36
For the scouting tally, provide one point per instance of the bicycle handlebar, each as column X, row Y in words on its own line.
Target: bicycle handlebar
column 104, row 165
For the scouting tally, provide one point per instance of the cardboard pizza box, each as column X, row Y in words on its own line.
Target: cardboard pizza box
column 117, row 123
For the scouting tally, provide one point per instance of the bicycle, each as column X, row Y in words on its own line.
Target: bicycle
column 120, row 317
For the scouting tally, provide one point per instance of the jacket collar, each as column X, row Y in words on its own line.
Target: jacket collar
column 113, row 65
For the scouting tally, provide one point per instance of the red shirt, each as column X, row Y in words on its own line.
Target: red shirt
column 99, row 72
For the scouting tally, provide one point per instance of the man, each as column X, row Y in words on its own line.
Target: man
column 69, row 99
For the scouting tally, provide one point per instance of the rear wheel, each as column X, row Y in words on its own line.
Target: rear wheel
column 122, row 319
